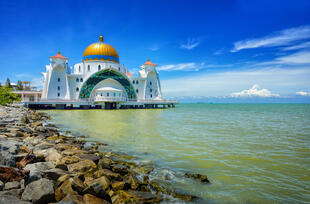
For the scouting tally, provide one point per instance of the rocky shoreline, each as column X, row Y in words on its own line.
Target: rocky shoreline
column 38, row 164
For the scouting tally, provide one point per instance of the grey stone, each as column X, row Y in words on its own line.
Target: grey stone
column 1, row 185
column 13, row 192
column 54, row 174
column 9, row 199
column 40, row 191
column 10, row 146
column 36, row 170
column 11, row 185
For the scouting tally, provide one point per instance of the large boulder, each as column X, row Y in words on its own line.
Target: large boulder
column 199, row 177
column 37, row 169
column 51, row 154
column 64, row 190
column 82, row 166
column 40, row 191
column 72, row 199
column 90, row 199
column 110, row 174
column 103, row 180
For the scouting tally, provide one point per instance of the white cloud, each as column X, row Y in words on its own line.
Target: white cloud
column 191, row 66
column 280, row 38
column 303, row 93
column 302, row 57
column 283, row 81
column 155, row 48
column 254, row 92
column 190, row 44
column 298, row 47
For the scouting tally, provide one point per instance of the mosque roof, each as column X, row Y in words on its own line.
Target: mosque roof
column 100, row 51
column 148, row 62
column 59, row 56
column 128, row 73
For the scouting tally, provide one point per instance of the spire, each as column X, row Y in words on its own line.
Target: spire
column 100, row 38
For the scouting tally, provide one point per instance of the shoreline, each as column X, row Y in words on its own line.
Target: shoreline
column 51, row 167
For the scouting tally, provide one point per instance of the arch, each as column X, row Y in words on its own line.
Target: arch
column 94, row 79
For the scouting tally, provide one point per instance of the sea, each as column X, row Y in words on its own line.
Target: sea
column 251, row 153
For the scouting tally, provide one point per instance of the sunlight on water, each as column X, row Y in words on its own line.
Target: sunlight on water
column 252, row 153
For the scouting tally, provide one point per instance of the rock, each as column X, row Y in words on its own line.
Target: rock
column 161, row 186
column 25, row 120
column 90, row 199
column 14, row 192
column 61, row 179
column 10, row 146
column 54, row 137
column 9, row 199
column 199, row 177
column 11, row 185
column 64, row 189
column 51, row 154
column 92, row 157
column 63, row 147
column 40, row 191
column 36, row 124
column 1, row 185
column 54, row 174
column 104, row 181
column 132, row 181
column 77, row 184
column 118, row 185
column 111, row 175
column 184, row 197
column 82, row 166
column 103, row 165
column 36, row 170
column 9, row 174
column 97, row 190
column 120, row 169
column 68, row 160
column 72, row 198
column 70, row 152
column 19, row 134
column 138, row 197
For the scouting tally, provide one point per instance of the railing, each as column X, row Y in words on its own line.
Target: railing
column 114, row 99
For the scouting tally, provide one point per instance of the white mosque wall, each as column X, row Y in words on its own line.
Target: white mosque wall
column 58, row 85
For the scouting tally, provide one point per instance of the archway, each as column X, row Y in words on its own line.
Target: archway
column 93, row 80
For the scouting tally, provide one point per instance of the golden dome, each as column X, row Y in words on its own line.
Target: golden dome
column 100, row 51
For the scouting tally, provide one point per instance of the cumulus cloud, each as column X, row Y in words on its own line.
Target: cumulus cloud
column 190, row 44
column 254, row 92
column 280, row 38
column 303, row 93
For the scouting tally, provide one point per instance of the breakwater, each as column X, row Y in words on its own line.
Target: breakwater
column 40, row 164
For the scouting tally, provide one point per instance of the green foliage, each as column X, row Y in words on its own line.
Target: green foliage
column 7, row 96
column 20, row 86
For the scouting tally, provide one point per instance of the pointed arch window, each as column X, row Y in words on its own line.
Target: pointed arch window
column 99, row 67
column 77, row 79
column 88, row 67
column 81, row 79
column 77, row 89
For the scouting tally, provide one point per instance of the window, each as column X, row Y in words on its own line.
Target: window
column 137, row 82
column 58, row 88
column 81, row 79
column 119, row 94
column 150, row 83
column 137, row 90
column 88, row 68
column 114, row 94
column 107, row 94
column 119, row 69
column 58, row 79
column 77, row 89
column 101, row 94
column 151, row 90
column 77, row 79
column 133, row 81
column 58, row 94
column 151, row 95
column 99, row 67
column 79, row 69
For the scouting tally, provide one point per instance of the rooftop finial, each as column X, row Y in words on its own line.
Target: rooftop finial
column 148, row 60
column 100, row 38
column 58, row 52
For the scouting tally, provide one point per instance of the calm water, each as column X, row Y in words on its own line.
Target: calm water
column 252, row 153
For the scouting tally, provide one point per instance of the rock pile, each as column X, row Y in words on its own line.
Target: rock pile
column 40, row 165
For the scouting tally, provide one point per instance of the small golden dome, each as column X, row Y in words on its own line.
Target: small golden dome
column 100, row 51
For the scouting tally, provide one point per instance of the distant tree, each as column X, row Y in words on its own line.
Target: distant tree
column 7, row 96
column 8, row 83
column 20, row 85
column 0, row 84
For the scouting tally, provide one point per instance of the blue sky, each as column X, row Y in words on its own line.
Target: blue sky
column 204, row 49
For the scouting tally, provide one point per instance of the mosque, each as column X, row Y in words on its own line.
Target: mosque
column 100, row 81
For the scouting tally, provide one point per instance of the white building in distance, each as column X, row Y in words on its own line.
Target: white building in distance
column 99, row 78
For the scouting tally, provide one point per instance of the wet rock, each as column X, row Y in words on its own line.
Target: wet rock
column 63, row 147
column 10, row 146
column 92, row 157
column 25, row 120
column 120, row 169
column 161, row 186
column 118, row 185
column 54, row 174
column 10, row 199
column 82, row 166
column 64, row 189
column 103, row 165
column 104, row 181
column 90, row 199
column 138, row 197
column 40, row 191
column 97, row 190
column 7, row 159
column 184, row 197
column 132, row 181
column 199, row 177
column 61, row 179
column 36, row 170
column 77, row 185
column 51, row 154
column 72, row 198
column 12, row 192
column 11, row 185
column 70, row 152
column 110, row 174
column 19, row 134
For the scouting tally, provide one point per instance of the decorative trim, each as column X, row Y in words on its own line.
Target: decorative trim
column 101, row 57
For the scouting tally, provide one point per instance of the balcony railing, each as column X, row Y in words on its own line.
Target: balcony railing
column 108, row 99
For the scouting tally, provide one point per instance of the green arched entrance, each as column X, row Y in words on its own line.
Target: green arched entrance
column 91, row 82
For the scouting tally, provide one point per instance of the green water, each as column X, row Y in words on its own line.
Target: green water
column 252, row 153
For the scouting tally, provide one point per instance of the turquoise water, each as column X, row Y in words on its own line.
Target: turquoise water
column 252, row 153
